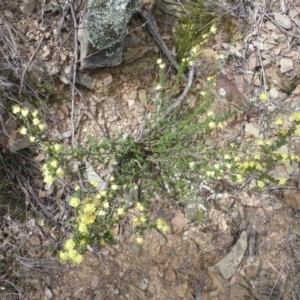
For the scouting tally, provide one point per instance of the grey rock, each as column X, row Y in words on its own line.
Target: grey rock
column 135, row 250
column 286, row 64
column 48, row 293
column 283, row 20
column 228, row 265
column 85, row 80
column 144, row 284
column 102, row 32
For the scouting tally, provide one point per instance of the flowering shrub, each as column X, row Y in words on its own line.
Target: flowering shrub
column 169, row 160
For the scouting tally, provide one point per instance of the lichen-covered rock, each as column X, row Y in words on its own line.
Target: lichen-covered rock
column 107, row 21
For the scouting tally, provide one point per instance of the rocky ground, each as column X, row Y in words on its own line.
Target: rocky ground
column 245, row 246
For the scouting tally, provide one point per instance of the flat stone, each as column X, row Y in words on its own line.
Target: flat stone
column 95, row 282
column 48, row 293
column 229, row 264
column 283, row 20
column 252, row 129
column 292, row 198
column 85, row 80
column 107, row 79
column 144, row 284
column 286, row 64
column 274, row 93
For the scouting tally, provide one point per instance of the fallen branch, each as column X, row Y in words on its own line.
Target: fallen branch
column 150, row 22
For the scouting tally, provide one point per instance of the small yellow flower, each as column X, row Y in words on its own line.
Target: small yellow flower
column 82, row 228
column 213, row 29
column 114, row 187
column 74, row 202
column 77, row 187
column 105, row 204
column 139, row 240
column 112, row 178
column 227, row 156
column 49, row 179
column 53, row 163
column 158, row 87
column 93, row 183
column 269, row 142
column 63, row 256
column 23, row 130
column 59, row 172
column 16, row 109
column 258, row 167
column 210, row 113
column 89, row 208
column 260, row 142
column 135, row 221
column 220, row 125
column 102, row 242
column 34, row 113
column 217, row 166
column 103, row 193
column 282, row 181
column 120, row 211
column 240, row 178
column 296, row 116
column 143, row 220
column 210, row 173
column 41, row 127
column 35, row 121
column 192, row 165
column 264, row 97
column 139, row 206
column 162, row 66
column 165, row 229
column 159, row 61
column 278, row 122
column 212, row 125
column 101, row 213
column 257, row 156
column 78, row 259
column 228, row 166
column 284, row 157
column 260, row 184
column 221, row 56
column 24, row 112
column 69, row 244
column 57, row 147
column 297, row 131
column 31, row 139
column 203, row 93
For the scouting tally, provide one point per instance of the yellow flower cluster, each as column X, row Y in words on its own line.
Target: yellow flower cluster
column 162, row 225
column 160, row 63
column 51, row 170
column 296, row 116
column 264, row 97
column 70, row 254
column 32, row 117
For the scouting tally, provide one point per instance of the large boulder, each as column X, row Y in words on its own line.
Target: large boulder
column 102, row 31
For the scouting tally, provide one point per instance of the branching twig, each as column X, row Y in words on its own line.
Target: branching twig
column 171, row 108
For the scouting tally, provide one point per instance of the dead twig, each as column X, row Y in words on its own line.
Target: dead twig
column 171, row 108
column 277, row 280
column 149, row 19
column 30, row 62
